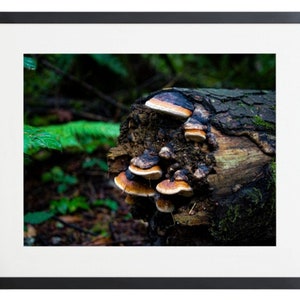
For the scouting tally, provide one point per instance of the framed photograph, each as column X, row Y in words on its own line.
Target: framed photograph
column 149, row 150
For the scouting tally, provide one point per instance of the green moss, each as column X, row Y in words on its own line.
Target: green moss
column 222, row 231
column 258, row 121
column 242, row 104
column 272, row 185
column 255, row 196
column 233, row 213
column 250, row 212
column 273, row 170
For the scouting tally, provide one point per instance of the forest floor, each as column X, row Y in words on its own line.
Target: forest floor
column 89, row 211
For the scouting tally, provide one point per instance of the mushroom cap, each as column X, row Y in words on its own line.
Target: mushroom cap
column 192, row 123
column 152, row 173
column 172, row 103
column 181, row 175
column 164, row 205
column 166, row 152
column 194, row 130
column 196, row 135
column 200, row 114
column 201, row 172
column 133, row 187
column 168, row 187
column 145, row 161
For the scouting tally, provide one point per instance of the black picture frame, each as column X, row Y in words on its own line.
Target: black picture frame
column 149, row 282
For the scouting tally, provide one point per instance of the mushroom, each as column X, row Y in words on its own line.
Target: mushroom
column 195, row 127
column 164, row 205
column 194, row 130
column 181, row 175
column 180, row 187
column 152, row 173
column 201, row 172
column 132, row 187
column 173, row 103
column 166, row 152
column 145, row 161
column 201, row 114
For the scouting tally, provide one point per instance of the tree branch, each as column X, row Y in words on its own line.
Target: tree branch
column 86, row 86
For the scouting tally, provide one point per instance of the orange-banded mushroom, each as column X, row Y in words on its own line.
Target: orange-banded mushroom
column 164, row 205
column 195, row 135
column 145, row 161
column 195, row 127
column 132, row 187
column 180, row 187
column 172, row 103
column 152, row 173
column 194, row 130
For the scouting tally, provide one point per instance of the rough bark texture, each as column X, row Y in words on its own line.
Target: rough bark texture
column 232, row 172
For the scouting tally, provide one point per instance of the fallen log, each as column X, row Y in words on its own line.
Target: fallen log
column 199, row 166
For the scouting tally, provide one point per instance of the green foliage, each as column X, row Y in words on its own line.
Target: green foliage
column 57, row 175
column 128, row 217
column 38, row 217
column 44, row 81
column 85, row 135
column 216, row 70
column 79, row 135
column 109, row 203
column 113, row 62
column 66, row 205
column 30, row 63
column 92, row 162
column 36, row 139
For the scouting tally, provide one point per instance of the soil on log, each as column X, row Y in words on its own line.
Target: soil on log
column 213, row 153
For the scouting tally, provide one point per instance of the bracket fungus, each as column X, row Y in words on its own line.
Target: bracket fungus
column 180, row 187
column 164, row 205
column 181, row 175
column 166, row 152
column 152, row 173
column 172, row 103
column 194, row 133
column 201, row 172
column 195, row 128
column 145, row 161
column 132, row 187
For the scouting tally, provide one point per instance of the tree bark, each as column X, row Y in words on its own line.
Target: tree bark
column 231, row 173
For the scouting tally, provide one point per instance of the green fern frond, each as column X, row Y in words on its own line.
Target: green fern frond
column 36, row 139
column 78, row 135
column 29, row 63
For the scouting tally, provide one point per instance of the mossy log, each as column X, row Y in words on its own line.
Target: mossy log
column 229, row 167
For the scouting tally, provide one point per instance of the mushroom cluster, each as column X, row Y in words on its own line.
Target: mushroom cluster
column 173, row 165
